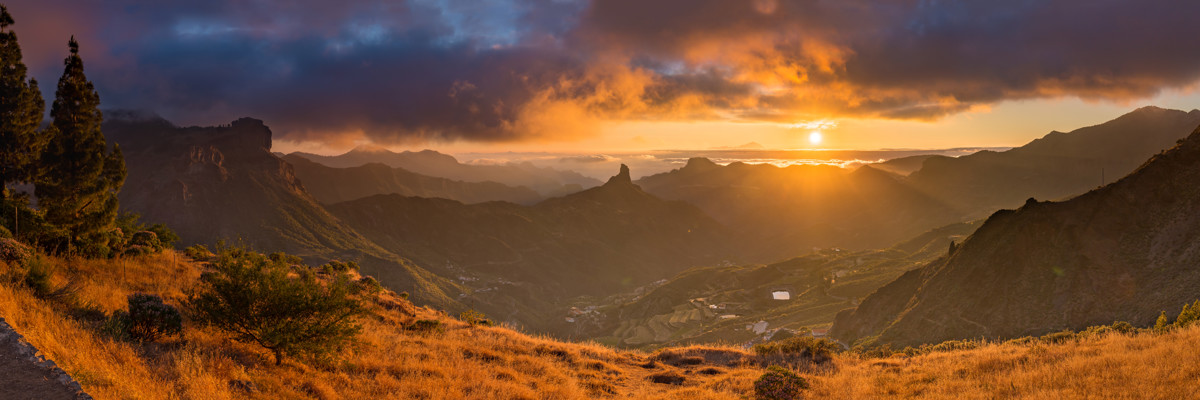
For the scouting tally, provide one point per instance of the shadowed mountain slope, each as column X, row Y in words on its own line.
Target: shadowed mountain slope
column 523, row 262
column 332, row 185
column 1054, row 166
column 222, row 183
column 1121, row 252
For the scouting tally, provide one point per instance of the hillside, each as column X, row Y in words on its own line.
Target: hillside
column 1121, row 252
column 461, row 361
column 222, row 183
column 715, row 304
column 546, row 181
column 787, row 211
column 332, row 185
column 1054, row 166
column 522, row 263
column 782, row 212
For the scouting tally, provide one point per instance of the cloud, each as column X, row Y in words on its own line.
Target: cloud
column 513, row 70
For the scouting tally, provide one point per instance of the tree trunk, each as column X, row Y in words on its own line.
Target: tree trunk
column 278, row 356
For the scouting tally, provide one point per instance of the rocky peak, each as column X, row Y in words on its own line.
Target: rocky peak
column 621, row 178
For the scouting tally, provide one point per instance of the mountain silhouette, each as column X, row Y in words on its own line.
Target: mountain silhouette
column 1125, row 251
column 222, row 183
column 524, row 262
column 332, row 185
column 546, row 181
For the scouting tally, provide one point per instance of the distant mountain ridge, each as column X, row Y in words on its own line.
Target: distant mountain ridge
column 332, row 185
column 790, row 210
column 1121, row 252
column 1056, row 165
column 524, row 262
column 546, row 181
column 222, row 183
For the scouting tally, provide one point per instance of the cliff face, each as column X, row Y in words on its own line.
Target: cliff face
column 222, row 183
column 1121, row 252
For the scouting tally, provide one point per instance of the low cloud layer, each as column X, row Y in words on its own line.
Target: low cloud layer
column 512, row 70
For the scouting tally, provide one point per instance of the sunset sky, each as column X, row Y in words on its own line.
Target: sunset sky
column 627, row 75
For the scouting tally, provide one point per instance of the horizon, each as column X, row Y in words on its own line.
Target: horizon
column 599, row 79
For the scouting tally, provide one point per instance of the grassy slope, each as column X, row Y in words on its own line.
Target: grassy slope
column 464, row 362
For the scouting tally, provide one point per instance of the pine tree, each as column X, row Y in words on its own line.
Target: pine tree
column 21, row 108
column 79, row 180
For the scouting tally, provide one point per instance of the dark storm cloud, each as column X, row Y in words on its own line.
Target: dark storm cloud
column 502, row 70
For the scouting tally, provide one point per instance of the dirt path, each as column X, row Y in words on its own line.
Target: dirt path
column 24, row 375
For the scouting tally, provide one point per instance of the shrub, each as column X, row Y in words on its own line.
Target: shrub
column 166, row 236
column 145, row 238
column 117, row 325
column 5, row 233
column 198, row 252
column 1123, row 327
column 336, row 266
column 254, row 298
column 13, row 251
column 779, row 384
column 38, row 276
column 801, row 349
column 475, row 318
column 1163, row 322
column 1189, row 314
column 1059, row 337
column 150, row 318
column 369, row 285
column 425, row 325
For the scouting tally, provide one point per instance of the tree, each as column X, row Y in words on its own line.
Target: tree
column 21, row 108
column 79, row 178
column 282, row 307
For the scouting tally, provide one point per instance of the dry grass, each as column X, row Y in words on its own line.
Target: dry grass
column 461, row 361
column 458, row 361
column 1113, row 366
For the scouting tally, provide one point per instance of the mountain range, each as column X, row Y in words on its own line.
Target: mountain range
column 332, row 185
column 546, row 181
column 523, row 263
column 222, row 183
column 1125, row 251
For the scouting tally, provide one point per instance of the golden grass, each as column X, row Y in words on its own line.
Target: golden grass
column 462, row 361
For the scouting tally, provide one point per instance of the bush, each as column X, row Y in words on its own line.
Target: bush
column 1189, row 314
column 5, row 233
column 257, row 299
column 779, row 384
column 797, row 350
column 336, row 266
column 198, row 252
column 145, row 238
column 117, row 325
column 475, row 318
column 150, row 318
column 425, row 325
column 369, row 285
column 1059, row 337
column 1123, row 327
column 166, row 236
column 38, row 276
column 1163, row 322
column 14, row 251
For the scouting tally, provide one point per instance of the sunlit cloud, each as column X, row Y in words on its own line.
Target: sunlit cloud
column 552, row 70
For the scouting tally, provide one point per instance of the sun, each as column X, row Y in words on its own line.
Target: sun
column 815, row 137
